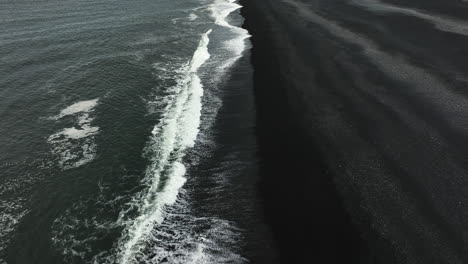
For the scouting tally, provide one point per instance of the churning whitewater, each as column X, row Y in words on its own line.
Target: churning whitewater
column 176, row 132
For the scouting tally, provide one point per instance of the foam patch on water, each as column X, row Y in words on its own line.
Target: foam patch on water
column 79, row 107
column 75, row 146
column 192, row 17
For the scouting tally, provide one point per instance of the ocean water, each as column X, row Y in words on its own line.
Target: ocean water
column 127, row 134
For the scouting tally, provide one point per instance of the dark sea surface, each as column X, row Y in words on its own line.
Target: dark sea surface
column 127, row 134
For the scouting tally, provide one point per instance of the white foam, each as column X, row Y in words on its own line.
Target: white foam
column 74, row 133
column 83, row 106
column 180, row 245
column 176, row 132
column 84, row 130
column 73, row 155
column 75, row 146
column 220, row 11
column 192, row 17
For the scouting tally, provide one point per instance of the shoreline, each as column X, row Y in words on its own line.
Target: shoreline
column 306, row 214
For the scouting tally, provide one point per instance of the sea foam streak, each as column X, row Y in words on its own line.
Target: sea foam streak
column 176, row 132
column 79, row 107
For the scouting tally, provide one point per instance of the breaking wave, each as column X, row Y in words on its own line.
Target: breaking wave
column 176, row 132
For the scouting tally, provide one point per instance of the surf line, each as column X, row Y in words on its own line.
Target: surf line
column 220, row 11
column 176, row 132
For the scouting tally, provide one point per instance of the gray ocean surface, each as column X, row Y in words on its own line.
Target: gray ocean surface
column 116, row 134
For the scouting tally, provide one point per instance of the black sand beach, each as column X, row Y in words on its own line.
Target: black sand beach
column 361, row 120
